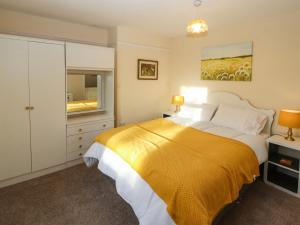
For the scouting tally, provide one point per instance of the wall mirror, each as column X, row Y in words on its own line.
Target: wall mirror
column 84, row 92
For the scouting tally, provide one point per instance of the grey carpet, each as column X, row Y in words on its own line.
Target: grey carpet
column 84, row 196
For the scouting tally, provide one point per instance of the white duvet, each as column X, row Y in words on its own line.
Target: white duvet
column 146, row 204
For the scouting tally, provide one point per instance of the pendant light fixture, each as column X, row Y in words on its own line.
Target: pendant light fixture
column 197, row 27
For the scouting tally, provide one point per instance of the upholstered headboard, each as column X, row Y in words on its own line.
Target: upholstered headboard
column 220, row 97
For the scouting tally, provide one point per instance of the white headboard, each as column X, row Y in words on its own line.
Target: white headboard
column 221, row 97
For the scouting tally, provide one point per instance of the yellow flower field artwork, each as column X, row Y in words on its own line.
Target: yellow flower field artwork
column 229, row 62
column 227, row 69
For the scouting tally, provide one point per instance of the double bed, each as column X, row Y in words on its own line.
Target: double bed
column 202, row 162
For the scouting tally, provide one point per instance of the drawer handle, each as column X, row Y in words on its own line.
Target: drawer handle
column 79, row 130
column 80, row 146
column 80, row 138
column 104, row 125
column 80, row 154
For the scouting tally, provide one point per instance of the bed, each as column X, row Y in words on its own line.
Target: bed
column 152, row 207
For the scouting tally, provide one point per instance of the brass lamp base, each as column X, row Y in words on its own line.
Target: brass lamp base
column 177, row 110
column 290, row 135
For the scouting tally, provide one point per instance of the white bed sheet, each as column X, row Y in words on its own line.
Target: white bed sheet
column 146, row 204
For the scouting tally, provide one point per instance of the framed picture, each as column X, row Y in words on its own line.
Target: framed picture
column 231, row 62
column 147, row 69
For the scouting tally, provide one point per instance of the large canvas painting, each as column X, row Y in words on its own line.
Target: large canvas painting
column 227, row 63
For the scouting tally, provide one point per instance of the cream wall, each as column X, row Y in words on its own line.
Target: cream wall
column 28, row 25
column 276, row 55
column 276, row 59
column 139, row 100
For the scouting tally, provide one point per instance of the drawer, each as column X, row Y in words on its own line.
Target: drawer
column 78, row 146
column 76, row 154
column 74, row 141
column 83, row 128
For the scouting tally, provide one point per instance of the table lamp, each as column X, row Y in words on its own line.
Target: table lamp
column 290, row 119
column 177, row 100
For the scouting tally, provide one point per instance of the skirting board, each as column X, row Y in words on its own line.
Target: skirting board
column 30, row 176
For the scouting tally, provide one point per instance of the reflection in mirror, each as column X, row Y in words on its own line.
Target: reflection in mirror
column 84, row 93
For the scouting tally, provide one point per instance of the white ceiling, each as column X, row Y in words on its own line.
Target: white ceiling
column 166, row 17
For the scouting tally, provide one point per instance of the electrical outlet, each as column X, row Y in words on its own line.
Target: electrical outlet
column 122, row 123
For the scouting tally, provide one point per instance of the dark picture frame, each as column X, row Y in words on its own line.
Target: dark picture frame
column 147, row 69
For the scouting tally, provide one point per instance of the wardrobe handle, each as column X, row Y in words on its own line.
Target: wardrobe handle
column 29, row 108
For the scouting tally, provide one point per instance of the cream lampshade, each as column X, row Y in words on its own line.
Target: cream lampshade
column 197, row 27
column 177, row 100
column 290, row 119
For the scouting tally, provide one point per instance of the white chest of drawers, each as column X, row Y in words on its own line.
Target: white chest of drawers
column 81, row 136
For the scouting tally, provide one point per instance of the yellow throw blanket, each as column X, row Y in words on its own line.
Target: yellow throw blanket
column 195, row 173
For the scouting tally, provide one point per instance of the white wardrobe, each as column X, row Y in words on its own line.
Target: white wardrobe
column 32, row 105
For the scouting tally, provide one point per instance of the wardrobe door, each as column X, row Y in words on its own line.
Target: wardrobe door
column 47, row 97
column 15, row 156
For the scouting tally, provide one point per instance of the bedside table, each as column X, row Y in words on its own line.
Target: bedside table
column 282, row 168
column 168, row 114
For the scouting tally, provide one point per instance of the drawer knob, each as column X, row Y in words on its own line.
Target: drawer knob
column 79, row 129
column 80, row 146
column 80, row 138
column 104, row 125
column 80, row 154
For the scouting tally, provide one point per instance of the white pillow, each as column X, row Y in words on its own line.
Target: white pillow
column 254, row 123
column 242, row 119
column 229, row 116
column 203, row 112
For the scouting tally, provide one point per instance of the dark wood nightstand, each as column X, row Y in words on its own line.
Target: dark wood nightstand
column 282, row 167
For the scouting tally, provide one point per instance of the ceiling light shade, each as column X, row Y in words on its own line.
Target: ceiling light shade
column 196, row 28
